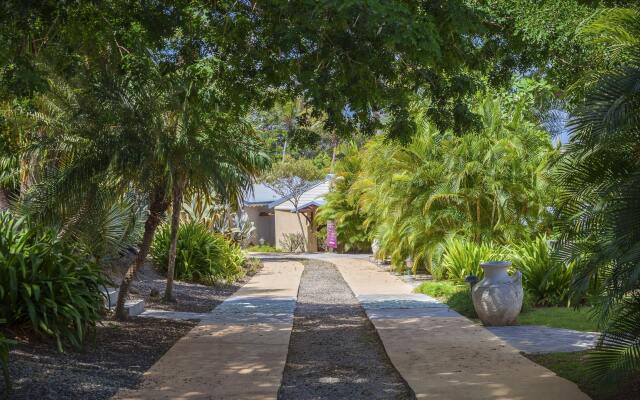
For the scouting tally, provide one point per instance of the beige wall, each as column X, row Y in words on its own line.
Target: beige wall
column 287, row 222
column 265, row 225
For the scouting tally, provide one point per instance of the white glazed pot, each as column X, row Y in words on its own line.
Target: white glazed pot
column 375, row 248
column 497, row 298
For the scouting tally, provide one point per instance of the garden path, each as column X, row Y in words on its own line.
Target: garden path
column 238, row 351
column 441, row 354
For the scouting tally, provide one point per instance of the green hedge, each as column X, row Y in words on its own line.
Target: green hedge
column 202, row 256
column 45, row 282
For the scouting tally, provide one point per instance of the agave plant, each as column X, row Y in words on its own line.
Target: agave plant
column 243, row 227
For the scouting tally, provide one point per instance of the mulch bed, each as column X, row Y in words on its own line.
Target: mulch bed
column 116, row 357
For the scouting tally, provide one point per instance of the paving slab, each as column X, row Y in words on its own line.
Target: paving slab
column 441, row 354
column 238, row 351
column 544, row 339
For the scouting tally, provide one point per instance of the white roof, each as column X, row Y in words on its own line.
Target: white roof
column 315, row 193
column 260, row 195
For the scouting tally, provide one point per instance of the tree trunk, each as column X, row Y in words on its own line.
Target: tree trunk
column 284, row 150
column 333, row 155
column 178, row 189
column 4, row 199
column 304, row 244
column 156, row 207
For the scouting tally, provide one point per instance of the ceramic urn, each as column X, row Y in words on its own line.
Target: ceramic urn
column 498, row 297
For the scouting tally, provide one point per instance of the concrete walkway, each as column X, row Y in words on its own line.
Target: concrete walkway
column 441, row 354
column 543, row 339
column 238, row 351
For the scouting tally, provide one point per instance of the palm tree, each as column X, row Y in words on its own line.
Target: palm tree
column 209, row 152
column 486, row 186
column 599, row 175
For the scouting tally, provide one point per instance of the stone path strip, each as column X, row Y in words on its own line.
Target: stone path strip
column 335, row 352
column 530, row 339
column 238, row 351
column 543, row 339
column 441, row 354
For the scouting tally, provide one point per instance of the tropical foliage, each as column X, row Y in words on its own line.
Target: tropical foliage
column 343, row 204
column 487, row 186
column 202, row 256
column 599, row 174
column 462, row 258
column 547, row 279
column 44, row 282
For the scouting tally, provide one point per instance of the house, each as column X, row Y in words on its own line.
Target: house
column 274, row 216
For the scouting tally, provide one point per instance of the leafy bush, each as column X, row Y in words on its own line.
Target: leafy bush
column 293, row 242
column 42, row 280
column 545, row 278
column 462, row 258
column 202, row 256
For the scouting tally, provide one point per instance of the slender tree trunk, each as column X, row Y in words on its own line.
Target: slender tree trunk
column 478, row 220
column 304, row 244
column 156, row 207
column 333, row 156
column 284, row 149
column 4, row 199
column 178, row 190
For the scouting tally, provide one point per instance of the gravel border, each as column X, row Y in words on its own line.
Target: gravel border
column 334, row 350
column 116, row 357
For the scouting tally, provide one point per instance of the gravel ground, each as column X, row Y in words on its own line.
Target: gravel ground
column 118, row 356
column 190, row 297
column 335, row 352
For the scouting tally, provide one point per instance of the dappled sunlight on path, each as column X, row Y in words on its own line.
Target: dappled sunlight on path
column 238, row 351
column 441, row 354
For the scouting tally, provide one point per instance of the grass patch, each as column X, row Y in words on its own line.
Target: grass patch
column 458, row 297
column 455, row 295
column 559, row 317
column 574, row 367
column 264, row 248
column 440, row 289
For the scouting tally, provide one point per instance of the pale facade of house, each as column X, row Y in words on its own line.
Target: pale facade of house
column 274, row 216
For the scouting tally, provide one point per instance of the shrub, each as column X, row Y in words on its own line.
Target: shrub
column 292, row 242
column 44, row 281
column 462, row 258
column 546, row 279
column 202, row 256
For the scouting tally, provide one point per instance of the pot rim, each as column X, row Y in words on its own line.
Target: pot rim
column 495, row 264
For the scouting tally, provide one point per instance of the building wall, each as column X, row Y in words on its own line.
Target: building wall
column 265, row 225
column 287, row 222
